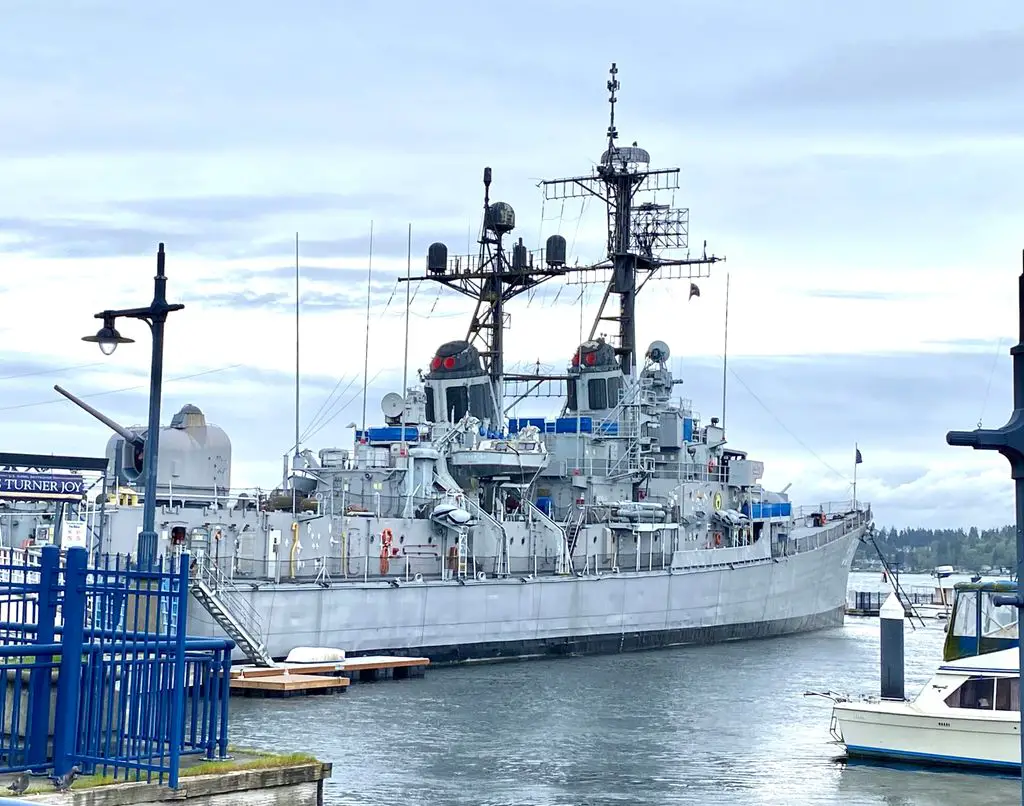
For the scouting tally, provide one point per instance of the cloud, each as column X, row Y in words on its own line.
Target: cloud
column 898, row 71
column 229, row 227
column 311, row 301
column 891, row 296
column 237, row 208
column 78, row 238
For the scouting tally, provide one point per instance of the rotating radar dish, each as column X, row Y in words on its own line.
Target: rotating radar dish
column 392, row 404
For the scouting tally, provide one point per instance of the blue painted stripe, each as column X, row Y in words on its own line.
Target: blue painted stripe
column 907, row 755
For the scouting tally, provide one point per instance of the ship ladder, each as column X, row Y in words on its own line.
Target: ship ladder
column 575, row 527
column 463, row 551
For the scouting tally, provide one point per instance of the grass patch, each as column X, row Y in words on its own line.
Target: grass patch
column 254, row 760
column 264, row 761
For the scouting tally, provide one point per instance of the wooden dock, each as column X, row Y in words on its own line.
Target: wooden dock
column 385, row 667
column 298, row 679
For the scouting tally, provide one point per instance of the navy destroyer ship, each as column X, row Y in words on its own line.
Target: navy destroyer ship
column 454, row 531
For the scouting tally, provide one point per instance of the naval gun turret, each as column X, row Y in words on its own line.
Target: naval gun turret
column 194, row 462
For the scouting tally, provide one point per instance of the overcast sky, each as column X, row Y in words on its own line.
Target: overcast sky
column 859, row 167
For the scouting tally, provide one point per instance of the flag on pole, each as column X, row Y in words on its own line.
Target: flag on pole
column 858, row 459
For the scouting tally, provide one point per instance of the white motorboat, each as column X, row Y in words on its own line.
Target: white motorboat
column 968, row 715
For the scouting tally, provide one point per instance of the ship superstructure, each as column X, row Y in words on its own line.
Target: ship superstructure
column 455, row 531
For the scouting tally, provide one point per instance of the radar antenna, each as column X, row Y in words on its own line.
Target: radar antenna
column 492, row 279
column 637, row 232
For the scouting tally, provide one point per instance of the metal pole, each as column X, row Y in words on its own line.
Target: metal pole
column 1009, row 441
column 725, row 350
column 295, row 493
column 147, row 538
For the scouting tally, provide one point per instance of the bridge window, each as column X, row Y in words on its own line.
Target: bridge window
column 598, row 392
column 430, row 405
column 1008, row 694
column 977, row 692
column 480, row 401
column 456, row 402
column 570, row 394
column 614, row 385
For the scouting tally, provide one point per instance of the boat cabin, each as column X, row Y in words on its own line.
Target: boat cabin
column 977, row 625
column 989, row 683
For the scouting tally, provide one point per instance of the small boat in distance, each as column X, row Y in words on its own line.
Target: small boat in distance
column 967, row 715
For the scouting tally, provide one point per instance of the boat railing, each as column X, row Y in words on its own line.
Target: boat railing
column 822, row 537
column 681, row 471
column 831, row 508
column 412, row 564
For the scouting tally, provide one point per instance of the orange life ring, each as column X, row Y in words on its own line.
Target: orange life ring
column 453, row 558
column 711, row 465
column 718, row 539
column 386, row 538
column 385, row 563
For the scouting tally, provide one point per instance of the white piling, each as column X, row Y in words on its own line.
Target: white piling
column 891, row 617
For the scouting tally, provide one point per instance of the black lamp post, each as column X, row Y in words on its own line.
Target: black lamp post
column 1009, row 441
column 108, row 338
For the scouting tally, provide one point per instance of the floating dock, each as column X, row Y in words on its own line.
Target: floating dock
column 922, row 602
column 299, row 679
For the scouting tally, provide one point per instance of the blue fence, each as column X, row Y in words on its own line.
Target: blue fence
column 99, row 671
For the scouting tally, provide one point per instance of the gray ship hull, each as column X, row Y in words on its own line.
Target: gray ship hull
column 495, row 619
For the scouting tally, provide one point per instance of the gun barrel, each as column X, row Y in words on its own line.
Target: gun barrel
column 103, row 418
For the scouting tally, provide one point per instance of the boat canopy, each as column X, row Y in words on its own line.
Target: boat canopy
column 977, row 624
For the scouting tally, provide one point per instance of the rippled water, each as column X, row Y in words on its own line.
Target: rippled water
column 724, row 724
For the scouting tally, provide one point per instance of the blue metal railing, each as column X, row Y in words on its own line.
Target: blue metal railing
column 99, row 672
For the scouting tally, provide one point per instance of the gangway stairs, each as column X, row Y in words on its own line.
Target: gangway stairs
column 225, row 603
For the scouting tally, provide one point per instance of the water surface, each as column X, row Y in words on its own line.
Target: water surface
column 726, row 724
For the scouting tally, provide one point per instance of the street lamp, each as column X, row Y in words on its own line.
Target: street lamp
column 107, row 337
column 1009, row 441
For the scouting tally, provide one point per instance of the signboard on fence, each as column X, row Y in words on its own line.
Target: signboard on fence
column 73, row 533
column 41, row 486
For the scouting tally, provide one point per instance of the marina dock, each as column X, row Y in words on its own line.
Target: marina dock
column 299, row 679
column 918, row 601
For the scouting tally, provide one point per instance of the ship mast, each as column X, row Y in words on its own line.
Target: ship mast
column 491, row 278
column 636, row 236
column 637, row 233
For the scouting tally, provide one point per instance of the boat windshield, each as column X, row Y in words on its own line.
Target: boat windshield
column 996, row 621
column 987, row 694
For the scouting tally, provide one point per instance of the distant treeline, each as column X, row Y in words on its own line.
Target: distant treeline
column 921, row 550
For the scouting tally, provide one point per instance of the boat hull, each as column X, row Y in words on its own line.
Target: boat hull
column 493, row 619
column 897, row 732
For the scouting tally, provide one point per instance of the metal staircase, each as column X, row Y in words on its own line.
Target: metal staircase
column 573, row 526
column 225, row 603
column 537, row 519
column 635, row 455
